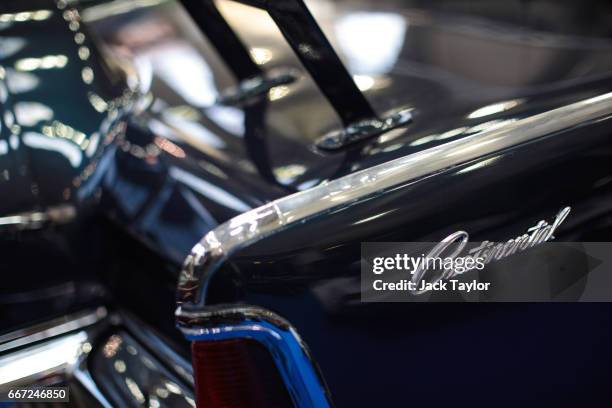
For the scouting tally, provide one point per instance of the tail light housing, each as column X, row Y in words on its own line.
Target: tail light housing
column 237, row 373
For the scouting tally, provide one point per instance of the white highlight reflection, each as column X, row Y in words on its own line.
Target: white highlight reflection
column 185, row 71
column 46, row 62
column 31, row 113
column 66, row 148
column 42, row 359
column 371, row 41
column 209, row 190
column 495, row 108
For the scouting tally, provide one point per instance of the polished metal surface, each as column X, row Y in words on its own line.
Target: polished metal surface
column 51, row 328
column 128, row 372
column 33, row 364
column 258, row 86
column 220, row 243
column 153, row 340
column 60, row 214
column 52, row 155
column 116, row 369
column 58, row 359
column 230, row 159
column 290, row 354
column 363, row 130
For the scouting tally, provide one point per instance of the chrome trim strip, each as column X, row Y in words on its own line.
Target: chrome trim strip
column 60, row 351
column 51, row 328
column 61, row 214
column 62, row 356
column 34, row 363
column 219, row 244
column 63, row 351
column 290, row 354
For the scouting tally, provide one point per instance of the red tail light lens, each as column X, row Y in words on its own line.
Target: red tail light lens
column 237, row 373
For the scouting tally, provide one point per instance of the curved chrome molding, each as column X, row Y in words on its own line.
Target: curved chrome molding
column 219, row 244
column 290, row 354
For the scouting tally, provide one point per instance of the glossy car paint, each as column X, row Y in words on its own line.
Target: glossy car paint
column 185, row 164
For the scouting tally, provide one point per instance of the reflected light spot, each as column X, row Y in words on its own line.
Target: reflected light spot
column 231, row 119
column 20, row 82
column 135, row 390
column 173, row 388
column 423, row 140
column 79, row 38
column 31, row 113
column 86, row 348
column 46, row 62
column 169, row 147
column 97, row 102
column 278, row 92
column 93, row 144
column 495, row 108
column 37, row 15
column 111, row 346
column 374, row 217
column 9, row 119
column 452, row 133
column 261, row 55
column 478, row 165
column 119, row 366
column 14, row 142
column 83, row 52
column 70, row 151
column 162, row 392
column 364, row 82
column 371, row 41
column 288, row 174
column 59, row 129
column 87, row 75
